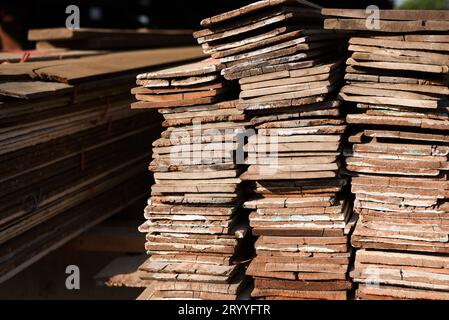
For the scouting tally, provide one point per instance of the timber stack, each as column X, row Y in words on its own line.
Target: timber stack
column 70, row 148
column 397, row 77
column 108, row 39
column 197, row 234
column 289, row 70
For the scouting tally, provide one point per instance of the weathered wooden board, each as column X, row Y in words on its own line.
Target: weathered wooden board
column 185, row 70
column 46, row 54
column 33, row 89
column 259, row 5
column 387, row 26
column 401, row 15
column 112, row 64
column 91, row 38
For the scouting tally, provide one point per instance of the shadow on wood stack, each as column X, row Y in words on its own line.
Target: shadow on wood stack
column 399, row 156
column 197, row 234
column 288, row 70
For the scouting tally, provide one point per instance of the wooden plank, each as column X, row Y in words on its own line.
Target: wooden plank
column 82, row 33
column 114, row 63
column 400, row 45
column 387, row 26
column 91, row 38
column 33, row 89
column 193, row 69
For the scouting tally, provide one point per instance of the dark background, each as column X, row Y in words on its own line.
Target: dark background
column 17, row 17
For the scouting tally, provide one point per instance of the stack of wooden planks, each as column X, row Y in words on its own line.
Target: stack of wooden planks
column 108, row 39
column 268, row 36
column 197, row 234
column 300, row 211
column 71, row 151
column 401, row 275
column 399, row 153
column 197, row 83
column 288, row 71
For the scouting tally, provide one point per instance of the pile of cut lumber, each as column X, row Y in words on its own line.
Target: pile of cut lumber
column 267, row 36
column 197, row 83
column 288, row 70
column 399, row 153
column 70, row 148
column 400, row 275
column 109, row 39
column 197, row 234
